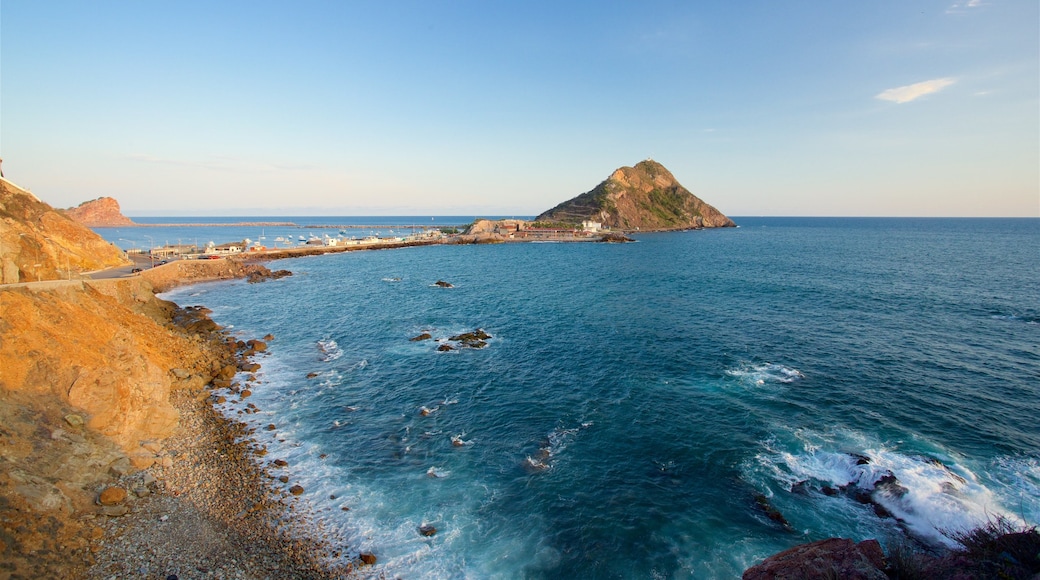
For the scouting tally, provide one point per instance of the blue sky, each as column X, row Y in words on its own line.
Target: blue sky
column 886, row 108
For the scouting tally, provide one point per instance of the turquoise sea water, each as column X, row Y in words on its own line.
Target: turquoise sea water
column 636, row 399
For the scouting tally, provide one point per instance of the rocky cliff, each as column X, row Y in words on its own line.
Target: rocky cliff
column 102, row 212
column 644, row 197
column 39, row 243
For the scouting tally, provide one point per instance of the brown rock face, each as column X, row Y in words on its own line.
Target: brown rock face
column 102, row 212
column 40, row 243
column 644, row 197
column 831, row 558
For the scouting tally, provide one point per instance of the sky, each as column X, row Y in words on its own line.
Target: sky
column 469, row 107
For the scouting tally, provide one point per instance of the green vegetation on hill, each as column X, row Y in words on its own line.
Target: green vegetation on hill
column 644, row 197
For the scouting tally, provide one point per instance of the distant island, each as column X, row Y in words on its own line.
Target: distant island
column 646, row 197
column 643, row 198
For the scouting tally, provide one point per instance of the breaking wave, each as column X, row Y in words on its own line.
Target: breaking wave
column 766, row 373
column 930, row 496
column 329, row 349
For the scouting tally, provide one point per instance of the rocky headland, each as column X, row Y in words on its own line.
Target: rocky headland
column 39, row 243
column 646, row 197
column 102, row 212
column 113, row 462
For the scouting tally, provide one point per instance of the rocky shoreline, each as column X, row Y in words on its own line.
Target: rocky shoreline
column 143, row 477
column 168, row 487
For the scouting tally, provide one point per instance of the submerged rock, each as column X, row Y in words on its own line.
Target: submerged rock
column 771, row 512
column 423, row 336
column 443, row 284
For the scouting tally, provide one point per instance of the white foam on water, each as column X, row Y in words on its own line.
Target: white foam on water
column 766, row 373
column 1018, row 485
column 329, row 349
column 931, row 496
column 383, row 517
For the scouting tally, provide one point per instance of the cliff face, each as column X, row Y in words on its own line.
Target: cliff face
column 102, row 212
column 644, row 197
column 106, row 348
column 39, row 243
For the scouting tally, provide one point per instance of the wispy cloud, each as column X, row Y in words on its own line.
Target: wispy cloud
column 915, row 91
column 964, row 6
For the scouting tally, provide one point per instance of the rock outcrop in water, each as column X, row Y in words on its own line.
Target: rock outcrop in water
column 646, row 197
column 102, row 212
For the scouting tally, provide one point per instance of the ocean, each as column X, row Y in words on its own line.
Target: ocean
column 678, row 407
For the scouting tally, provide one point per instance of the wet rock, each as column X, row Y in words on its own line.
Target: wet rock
column 423, row 336
column 832, row 558
column 113, row 495
column 829, row 491
column 268, row 337
column 271, row 427
column 860, row 459
column 257, row 345
column 246, row 393
column 443, row 284
column 615, row 238
column 367, row 558
column 427, row 530
column 281, row 463
column 311, row 375
column 445, row 347
column 889, row 486
column 296, row 490
column 771, row 512
column 283, row 478
column 475, row 339
column 249, row 367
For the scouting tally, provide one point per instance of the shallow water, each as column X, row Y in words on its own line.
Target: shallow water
column 636, row 399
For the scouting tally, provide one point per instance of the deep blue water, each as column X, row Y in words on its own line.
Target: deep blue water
column 635, row 399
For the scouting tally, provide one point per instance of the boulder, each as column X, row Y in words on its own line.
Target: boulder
column 823, row 560
column 443, row 284
column 257, row 345
column 296, row 490
column 423, row 336
column 180, row 373
column 114, row 495
column 427, row 530
column 367, row 558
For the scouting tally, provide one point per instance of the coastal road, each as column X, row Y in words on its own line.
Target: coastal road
column 141, row 262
